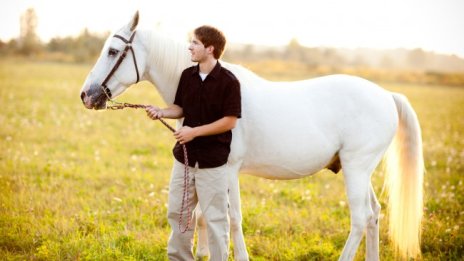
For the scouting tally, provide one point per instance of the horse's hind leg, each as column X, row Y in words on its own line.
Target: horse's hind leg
column 357, row 171
column 372, row 235
column 357, row 187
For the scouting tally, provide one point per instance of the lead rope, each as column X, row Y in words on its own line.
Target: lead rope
column 186, row 195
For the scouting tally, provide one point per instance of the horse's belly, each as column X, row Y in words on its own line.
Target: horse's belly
column 287, row 158
column 276, row 172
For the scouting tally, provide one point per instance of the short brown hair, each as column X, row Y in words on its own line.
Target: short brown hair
column 209, row 35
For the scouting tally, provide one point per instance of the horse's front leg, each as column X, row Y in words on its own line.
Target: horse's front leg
column 235, row 213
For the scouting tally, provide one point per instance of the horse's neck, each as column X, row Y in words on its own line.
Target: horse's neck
column 166, row 60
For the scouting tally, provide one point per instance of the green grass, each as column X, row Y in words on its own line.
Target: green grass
column 77, row 184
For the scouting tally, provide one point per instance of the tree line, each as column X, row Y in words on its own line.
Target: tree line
column 361, row 58
column 83, row 48
column 86, row 47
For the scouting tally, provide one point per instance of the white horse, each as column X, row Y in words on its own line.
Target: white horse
column 290, row 130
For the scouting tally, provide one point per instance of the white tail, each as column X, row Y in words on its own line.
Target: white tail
column 403, row 182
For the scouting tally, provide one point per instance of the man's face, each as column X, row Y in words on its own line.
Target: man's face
column 199, row 52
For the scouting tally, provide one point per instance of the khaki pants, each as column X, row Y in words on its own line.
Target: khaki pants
column 209, row 187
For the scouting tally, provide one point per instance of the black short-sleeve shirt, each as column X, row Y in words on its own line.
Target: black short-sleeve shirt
column 204, row 102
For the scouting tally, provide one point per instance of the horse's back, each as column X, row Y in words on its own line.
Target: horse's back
column 323, row 102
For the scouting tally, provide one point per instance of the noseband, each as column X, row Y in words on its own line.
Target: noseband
column 128, row 47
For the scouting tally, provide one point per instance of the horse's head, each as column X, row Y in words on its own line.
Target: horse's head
column 121, row 64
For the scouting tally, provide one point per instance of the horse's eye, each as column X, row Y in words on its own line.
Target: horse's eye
column 112, row 52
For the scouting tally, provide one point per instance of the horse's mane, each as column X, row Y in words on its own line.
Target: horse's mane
column 167, row 54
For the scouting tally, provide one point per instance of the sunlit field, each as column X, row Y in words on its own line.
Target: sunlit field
column 77, row 184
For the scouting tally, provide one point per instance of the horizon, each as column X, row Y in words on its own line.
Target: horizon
column 429, row 25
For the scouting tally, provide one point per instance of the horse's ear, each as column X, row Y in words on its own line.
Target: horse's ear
column 135, row 21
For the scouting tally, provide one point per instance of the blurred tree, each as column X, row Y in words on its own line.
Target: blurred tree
column 294, row 51
column 2, row 47
column 84, row 48
column 417, row 59
column 272, row 54
column 248, row 52
column 332, row 59
column 58, row 44
column 29, row 42
column 386, row 62
column 313, row 57
column 358, row 61
column 88, row 46
column 12, row 46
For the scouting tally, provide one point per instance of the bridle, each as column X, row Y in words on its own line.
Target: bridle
column 123, row 55
column 121, row 105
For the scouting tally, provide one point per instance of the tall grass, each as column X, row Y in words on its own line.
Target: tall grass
column 79, row 184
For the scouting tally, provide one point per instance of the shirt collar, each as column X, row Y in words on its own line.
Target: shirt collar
column 214, row 73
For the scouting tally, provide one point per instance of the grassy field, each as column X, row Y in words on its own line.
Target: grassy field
column 85, row 185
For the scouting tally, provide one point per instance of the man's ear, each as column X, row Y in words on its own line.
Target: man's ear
column 210, row 49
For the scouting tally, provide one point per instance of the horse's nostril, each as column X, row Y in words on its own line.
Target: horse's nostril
column 82, row 96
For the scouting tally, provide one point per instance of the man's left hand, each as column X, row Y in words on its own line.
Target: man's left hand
column 185, row 134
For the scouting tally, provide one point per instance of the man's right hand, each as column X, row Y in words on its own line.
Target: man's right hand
column 154, row 112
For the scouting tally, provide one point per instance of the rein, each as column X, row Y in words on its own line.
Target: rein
column 186, row 194
column 122, row 105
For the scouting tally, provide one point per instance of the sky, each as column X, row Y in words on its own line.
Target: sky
column 433, row 25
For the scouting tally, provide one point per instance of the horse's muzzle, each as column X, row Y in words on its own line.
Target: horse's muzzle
column 94, row 100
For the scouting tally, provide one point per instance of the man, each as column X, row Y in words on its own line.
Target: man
column 208, row 97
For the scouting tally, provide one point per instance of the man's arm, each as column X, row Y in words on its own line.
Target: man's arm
column 186, row 133
column 171, row 112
